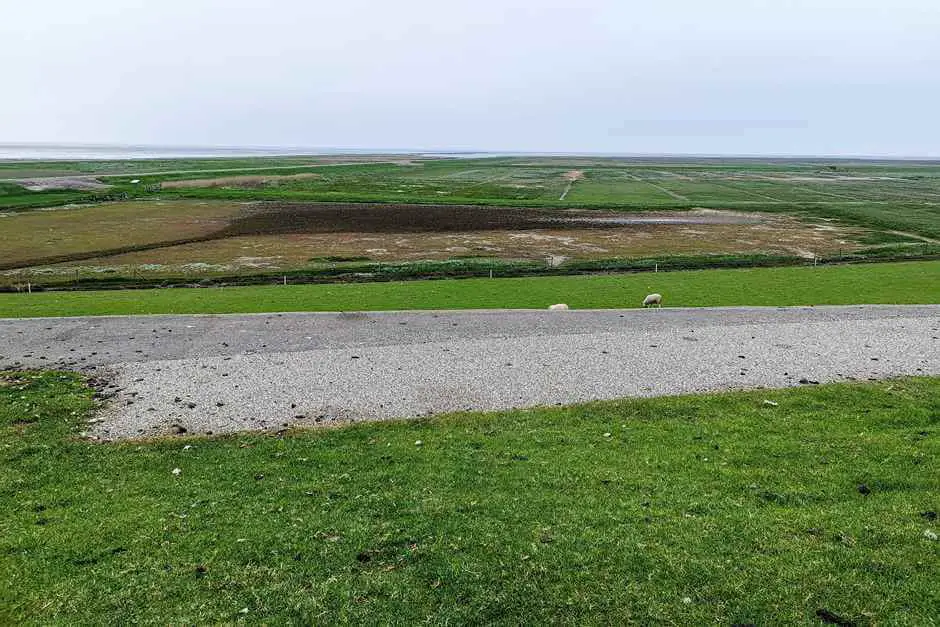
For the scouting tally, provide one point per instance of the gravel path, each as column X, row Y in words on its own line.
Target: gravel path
column 235, row 372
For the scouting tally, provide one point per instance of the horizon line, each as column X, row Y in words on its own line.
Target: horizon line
column 282, row 150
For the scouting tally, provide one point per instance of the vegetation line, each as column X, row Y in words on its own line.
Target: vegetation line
column 888, row 283
column 103, row 254
column 366, row 271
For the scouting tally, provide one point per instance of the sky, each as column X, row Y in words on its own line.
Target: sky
column 756, row 77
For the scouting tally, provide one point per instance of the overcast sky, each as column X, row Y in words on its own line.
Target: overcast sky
column 859, row 77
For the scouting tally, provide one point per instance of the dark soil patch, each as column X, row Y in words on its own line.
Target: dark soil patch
column 301, row 218
column 325, row 218
column 289, row 218
column 306, row 218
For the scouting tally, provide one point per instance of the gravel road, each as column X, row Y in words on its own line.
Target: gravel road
column 224, row 373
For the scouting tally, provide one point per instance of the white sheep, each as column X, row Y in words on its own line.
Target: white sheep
column 558, row 307
column 653, row 299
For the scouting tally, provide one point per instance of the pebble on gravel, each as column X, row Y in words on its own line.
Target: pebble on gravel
column 544, row 350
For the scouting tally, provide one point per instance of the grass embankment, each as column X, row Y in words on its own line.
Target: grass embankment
column 689, row 510
column 895, row 283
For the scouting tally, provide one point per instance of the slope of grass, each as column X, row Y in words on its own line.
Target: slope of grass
column 889, row 283
column 688, row 510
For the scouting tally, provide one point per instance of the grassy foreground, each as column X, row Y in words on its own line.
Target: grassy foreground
column 687, row 510
column 890, row 283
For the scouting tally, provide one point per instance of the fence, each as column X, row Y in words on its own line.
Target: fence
column 78, row 279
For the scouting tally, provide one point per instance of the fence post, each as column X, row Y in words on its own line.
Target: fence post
column 656, row 267
column 285, row 279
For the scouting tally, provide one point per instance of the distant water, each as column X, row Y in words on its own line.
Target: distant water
column 76, row 152
column 103, row 152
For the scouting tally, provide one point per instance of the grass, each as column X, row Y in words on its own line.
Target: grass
column 693, row 510
column 886, row 196
column 897, row 195
column 865, row 203
column 888, row 283
column 15, row 197
column 37, row 237
column 175, row 241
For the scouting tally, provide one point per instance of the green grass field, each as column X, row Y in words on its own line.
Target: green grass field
column 717, row 509
column 863, row 209
column 894, row 283
column 886, row 196
column 15, row 197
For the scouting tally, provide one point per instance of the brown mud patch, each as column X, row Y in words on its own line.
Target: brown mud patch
column 296, row 218
column 573, row 175
column 283, row 237
column 43, row 184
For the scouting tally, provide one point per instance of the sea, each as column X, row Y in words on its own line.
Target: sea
column 104, row 152
column 108, row 152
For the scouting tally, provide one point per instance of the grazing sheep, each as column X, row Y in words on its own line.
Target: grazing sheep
column 653, row 299
column 558, row 307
